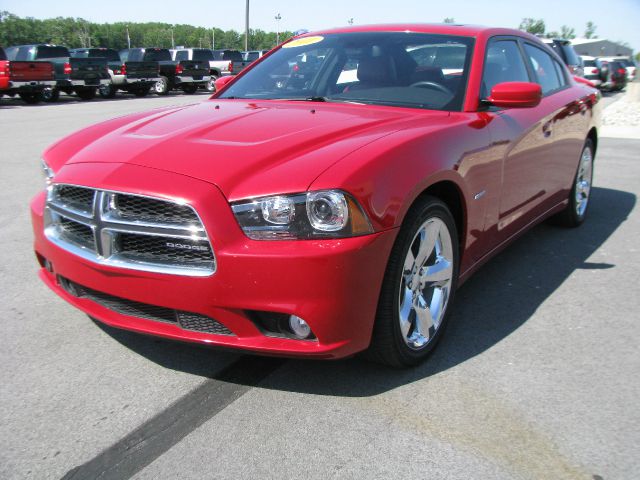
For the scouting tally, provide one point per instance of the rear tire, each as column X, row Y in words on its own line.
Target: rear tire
column 31, row 97
column 418, row 287
column 161, row 87
column 50, row 95
column 107, row 91
column 86, row 93
column 190, row 88
column 579, row 199
column 141, row 92
column 211, row 84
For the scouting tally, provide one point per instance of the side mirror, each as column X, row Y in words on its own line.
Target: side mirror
column 515, row 95
column 222, row 82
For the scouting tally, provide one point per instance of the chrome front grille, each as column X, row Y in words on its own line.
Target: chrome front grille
column 127, row 230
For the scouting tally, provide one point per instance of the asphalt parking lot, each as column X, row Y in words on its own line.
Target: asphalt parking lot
column 537, row 377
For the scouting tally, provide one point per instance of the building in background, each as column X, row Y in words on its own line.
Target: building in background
column 600, row 47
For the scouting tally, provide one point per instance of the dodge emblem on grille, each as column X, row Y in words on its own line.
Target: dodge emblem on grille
column 182, row 246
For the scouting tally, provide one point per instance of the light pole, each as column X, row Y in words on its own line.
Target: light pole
column 278, row 17
column 246, row 28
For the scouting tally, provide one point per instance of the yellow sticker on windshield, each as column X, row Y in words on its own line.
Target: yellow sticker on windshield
column 303, row 42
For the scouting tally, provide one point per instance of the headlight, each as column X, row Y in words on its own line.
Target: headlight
column 47, row 172
column 322, row 214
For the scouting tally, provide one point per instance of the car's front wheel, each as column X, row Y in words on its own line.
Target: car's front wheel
column 576, row 211
column 418, row 288
column 211, row 84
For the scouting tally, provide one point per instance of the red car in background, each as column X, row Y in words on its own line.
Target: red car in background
column 323, row 213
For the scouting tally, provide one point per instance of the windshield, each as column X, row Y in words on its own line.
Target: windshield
column 381, row 68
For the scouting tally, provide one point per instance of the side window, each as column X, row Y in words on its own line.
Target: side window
column 503, row 63
column 561, row 75
column 182, row 55
column 545, row 70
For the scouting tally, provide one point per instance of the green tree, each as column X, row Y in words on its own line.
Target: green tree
column 567, row 32
column 449, row 20
column 532, row 25
column 590, row 30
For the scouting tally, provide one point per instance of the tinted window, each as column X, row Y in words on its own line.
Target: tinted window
column 382, row 68
column 11, row 52
column 202, row 55
column 560, row 71
column 2, row 54
column 159, row 55
column 232, row 56
column 52, row 52
column 589, row 63
column 109, row 54
column 544, row 69
column 503, row 63
column 182, row 55
column 124, row 55
column 569, row 54
column 252, row 56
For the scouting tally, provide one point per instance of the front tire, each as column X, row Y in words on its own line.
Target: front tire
column 418, row 287
column 576, row 210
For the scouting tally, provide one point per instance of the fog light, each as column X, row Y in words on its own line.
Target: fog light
column 299, row 327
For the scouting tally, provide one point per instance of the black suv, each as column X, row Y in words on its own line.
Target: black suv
column 566, row 52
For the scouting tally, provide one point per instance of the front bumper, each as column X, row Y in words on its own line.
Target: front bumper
column 332, row 284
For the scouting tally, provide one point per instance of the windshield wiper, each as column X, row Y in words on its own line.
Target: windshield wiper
column 308, row 99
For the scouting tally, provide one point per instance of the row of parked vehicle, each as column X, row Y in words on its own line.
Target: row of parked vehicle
column 605, row 73
column 41, row 71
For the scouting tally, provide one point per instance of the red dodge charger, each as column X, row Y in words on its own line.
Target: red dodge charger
column 328, row 200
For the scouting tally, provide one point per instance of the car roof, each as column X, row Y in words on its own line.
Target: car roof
column 435, row 28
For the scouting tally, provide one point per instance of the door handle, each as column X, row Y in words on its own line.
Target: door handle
column 546, row 129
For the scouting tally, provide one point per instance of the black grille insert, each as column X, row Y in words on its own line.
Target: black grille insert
column 77, row 198
column 131, row 207
column 186, row 320
column 77, row 233
column 164, row 249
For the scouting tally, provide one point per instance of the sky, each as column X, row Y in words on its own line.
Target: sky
column 617, row 20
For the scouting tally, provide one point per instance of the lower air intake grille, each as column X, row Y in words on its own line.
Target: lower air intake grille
column 185, row 320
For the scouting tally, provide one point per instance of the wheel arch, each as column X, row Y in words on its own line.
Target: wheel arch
column 451, row 195
column 593, row 136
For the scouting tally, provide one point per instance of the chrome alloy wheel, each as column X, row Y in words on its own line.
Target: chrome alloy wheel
column 160, row 86
column 426, row 283
column 583, row 181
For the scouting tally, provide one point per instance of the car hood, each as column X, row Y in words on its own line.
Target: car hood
column 245, row 148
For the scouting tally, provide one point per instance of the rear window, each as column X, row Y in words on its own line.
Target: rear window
column 202, row 55
column 570, row 53
column 252, row 56
column 590, row 63
column 110, row 55
column 52, row 52
column 160, row 55
column 232, row 56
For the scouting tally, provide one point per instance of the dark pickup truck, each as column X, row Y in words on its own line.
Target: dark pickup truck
column 27, row 79
column 131, row 77
column 80, row 75
column 186, row 75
